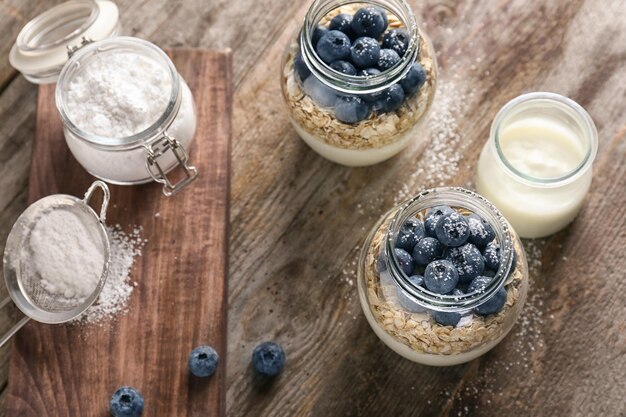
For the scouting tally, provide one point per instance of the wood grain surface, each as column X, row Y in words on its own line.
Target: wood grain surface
column 297, row 220
column 180, row 298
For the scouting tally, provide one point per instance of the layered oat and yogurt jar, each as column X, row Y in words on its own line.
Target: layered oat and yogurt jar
column 442, row 278
column 358, row 79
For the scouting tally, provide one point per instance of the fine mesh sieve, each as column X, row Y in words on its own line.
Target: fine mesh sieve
column 23, row 282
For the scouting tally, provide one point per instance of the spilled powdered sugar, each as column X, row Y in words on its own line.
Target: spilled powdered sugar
column 113, row 299
column 440, row 159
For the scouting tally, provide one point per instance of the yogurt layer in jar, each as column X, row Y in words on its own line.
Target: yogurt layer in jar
column 437, row 303
column 362, row 104
column 128, row 116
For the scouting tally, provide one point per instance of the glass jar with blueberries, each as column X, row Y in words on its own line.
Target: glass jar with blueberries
column 443, row 277
column 358, row 78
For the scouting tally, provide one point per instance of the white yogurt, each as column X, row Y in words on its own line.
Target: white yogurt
column 542, row 173
column 353, row 157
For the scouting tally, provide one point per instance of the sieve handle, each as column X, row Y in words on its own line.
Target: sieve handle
column 8, row 335
column 105, row 199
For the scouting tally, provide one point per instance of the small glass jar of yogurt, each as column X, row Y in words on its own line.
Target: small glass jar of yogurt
column 128, row 116
column 448, row 319
column 536, row 166
column 358, row 79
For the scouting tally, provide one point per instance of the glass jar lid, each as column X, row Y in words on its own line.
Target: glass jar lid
column 44, row 44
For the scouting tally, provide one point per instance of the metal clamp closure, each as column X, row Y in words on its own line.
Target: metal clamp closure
column 160, row 148
column 72, row 49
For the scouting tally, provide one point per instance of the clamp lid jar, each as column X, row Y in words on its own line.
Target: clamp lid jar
column 128, row 116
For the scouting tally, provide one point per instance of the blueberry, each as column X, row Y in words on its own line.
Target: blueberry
column 344, row 67
column 126, row 402
column 301, row 68
column 351, row 109
column 369, row 21
column 365, row 52
column 478, row 284
column 203, row 361
column 369, row 72
column 427, row 250
column 322, row 94
column 319, row 31
column 390, row 100
column 414, row 79
column 447, row 318
column 492, row 256
column 268, row 358
column 416, row 280
column 410, row 233
column 481, row 231
column 452, row 229
column 468, row 261
column 492, row 305
column 381, row 263
column 405, row 261
column 432, row 217
column 387, row 59
column 333, row 46
column 441, row 276
column 343, row 23
column 396, row 39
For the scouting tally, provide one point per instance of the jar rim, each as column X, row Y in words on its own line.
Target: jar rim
column 564, row 104
column 351, row 84
column 123, row 43
column 26, row 39
column 455, row 197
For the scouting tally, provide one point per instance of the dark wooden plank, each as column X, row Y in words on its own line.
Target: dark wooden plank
column 181, row 298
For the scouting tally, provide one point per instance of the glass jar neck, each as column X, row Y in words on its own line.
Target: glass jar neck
column 80, row 60
column 554, row 107
column 61, row 25
column 353, row 84
column 456, row 198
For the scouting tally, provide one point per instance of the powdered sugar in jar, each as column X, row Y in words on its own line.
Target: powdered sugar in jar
column 128, row 116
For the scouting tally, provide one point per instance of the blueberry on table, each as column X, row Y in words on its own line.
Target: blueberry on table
column 343, row 23
column 414, row 79
column 126, row 402
column 409, row 234
column 369, row 21
column 351, row 109
column 427, row 250
column 343, row 67
column 388, row 59
column 441, row 276
column 492, row 305
column 391, row 99
column 432, row 217
column 468, row 261
column 268, row 359
column 452, row 229
column 396, row 39
column 320, row 30
column 491, row 254
column 368, row 72
column 203, row 361
column 481, row 231
column 405, row 261
column 322, row 94
column 333, row 46
column 301, row 68
column 365, row 52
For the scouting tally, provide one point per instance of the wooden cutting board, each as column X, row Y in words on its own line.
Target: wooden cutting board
column 180, row 301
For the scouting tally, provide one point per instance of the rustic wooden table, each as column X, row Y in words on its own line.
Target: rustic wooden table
column 297, row 220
